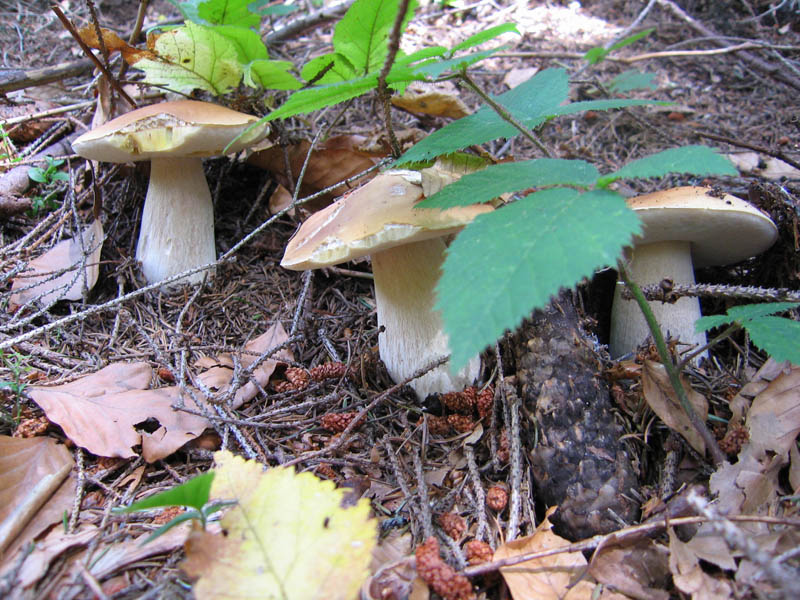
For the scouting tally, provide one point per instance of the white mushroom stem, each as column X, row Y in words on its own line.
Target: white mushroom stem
column 405, row 280
column 648, row 264
column 177, row 231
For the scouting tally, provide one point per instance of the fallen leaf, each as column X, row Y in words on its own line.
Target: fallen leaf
column 764, row 166
column 548, row 578
column 774, row 416
column 288, row 533
column 689, row 576
column 516, row 76
column 435, row 99
column 663, row 400
column 82, row 252
column 640, row 571
column 31, row 472
column 280, row 199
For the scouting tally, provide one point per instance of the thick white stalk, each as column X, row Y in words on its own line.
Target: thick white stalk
column 405, row 278
column 648, row 264
column 177, row 221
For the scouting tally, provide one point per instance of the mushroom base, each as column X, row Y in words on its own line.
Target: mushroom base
column 413, row 337
column 648, row 264
column 177, row 231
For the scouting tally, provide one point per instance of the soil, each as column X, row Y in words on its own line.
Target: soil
column 734, row 100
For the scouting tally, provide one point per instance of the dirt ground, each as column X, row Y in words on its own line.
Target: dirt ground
column 735, row 100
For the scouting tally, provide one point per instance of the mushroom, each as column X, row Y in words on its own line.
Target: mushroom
column 407, row 247
column 683, row 228
column 177, row 231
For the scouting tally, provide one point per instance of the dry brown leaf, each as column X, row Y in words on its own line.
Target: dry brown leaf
column 516, row 76
column 634, row 570
column 688, row 575
column 774, row 417
column 393, row 569
column 280, row 199
column 548, row 578
column 435, row 99
column 764, row 166
column 661, row 398
column 35, row 281
column 337, row 159
column 31, row 472
column 113, row 43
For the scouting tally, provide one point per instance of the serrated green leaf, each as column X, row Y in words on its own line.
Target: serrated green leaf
column 435, row 68
column 247, row 42
column 228, row 12
column 632, row 80
column 423, row 54
column 744, row 313
column 305, row 101
column 271, row 75
column 606, row 104
column 777, row 336
column 508, row 262
column 193, row 57
column 529, row 101
column 485, row 36
column 341, row 69
column 694, row 160
column 495, row 180
column 362, row 34
column 194, row 493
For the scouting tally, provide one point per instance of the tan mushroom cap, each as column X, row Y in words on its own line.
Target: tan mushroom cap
column 722, row 231
column 185, row 128
column 375, row 217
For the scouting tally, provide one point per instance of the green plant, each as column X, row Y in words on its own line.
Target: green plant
column 16, row 365
column 48, row 176
column 192, row 494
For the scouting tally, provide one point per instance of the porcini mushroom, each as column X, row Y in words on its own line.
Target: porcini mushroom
column 683, row 228
column 177, row 230
column 407, row 248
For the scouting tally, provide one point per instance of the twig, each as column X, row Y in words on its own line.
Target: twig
column 515, row 457
column 477, row 489
column 383, row 90
column 667, row 291
column 742, row 144
column 422, row 497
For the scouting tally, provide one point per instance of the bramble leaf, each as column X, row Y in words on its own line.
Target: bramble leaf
column 193, row 57
column 434, row 68
column 508, row 262
column 530, row 102
column 694, row 160
column 495, row 180
column 485, row 36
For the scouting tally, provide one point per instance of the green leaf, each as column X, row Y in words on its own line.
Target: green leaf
column 511, row 261
column 606, row 104
column 435, row 68
column 743, row 314
column 529, row 101
column 193, row 57
column 228, row 12
column 263, row 8
column 495, row 180
column 37, row 174
column 247, row 42
column 189, row 515
column 776, row 336
column 362, row 34
column 485, row 36
column 341, row 70
column 632, row 80
column 305, row 101
column 694, row 160
column 193, row 493
column 424, row 53
column 59, row 176
column 271, row 74
column 631, row 39
column 595, row 55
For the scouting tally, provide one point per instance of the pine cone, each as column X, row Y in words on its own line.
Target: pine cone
column 453, row 525
column 334, row 370
column 478, row 552
column 337, row 422
column 497, row 498
column 299, row 378
column 440, row 576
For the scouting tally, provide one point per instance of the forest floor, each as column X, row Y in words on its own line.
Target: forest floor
column 742, row 97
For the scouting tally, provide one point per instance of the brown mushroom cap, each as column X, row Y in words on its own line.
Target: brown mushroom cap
column 180, row 128
column 375, row 217
column 722, row 231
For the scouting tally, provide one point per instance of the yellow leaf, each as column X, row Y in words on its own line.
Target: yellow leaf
column 286, row 538
column 193, row 57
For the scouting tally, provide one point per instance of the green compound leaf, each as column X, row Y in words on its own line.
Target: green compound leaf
column 632, row 80
column 193, row 493
column 361, row 36
column 511, row 261
column 694, row 160
column 530, row 102
column 777, row 336
column 495, row 180
column 271, row 75
column 193, row 57
column 485, row 36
